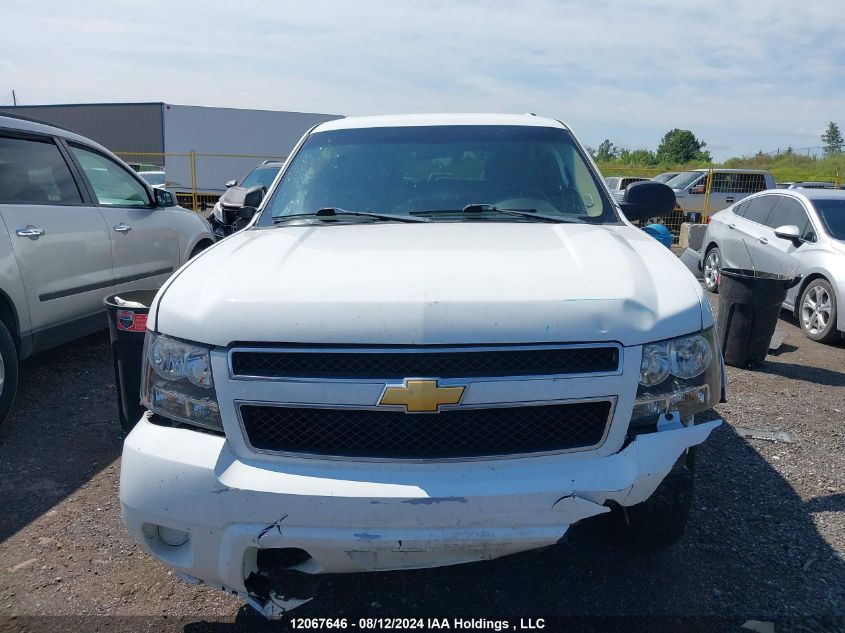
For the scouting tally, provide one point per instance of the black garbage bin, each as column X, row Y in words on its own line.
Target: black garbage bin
column 127, row 312
column 749, row 307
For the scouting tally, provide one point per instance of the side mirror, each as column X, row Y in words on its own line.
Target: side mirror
column 163, row 198
column 230, row 183
column 254, row 196
column 647, row 199
column 788, row 232
column 246, row 213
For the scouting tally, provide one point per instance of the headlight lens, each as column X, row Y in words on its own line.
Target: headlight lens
column 684, row 357
column 678, row 374
column 655, row 365
column 690, row 356
column 177, row 381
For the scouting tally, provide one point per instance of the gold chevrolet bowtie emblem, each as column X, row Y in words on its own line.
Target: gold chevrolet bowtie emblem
column 421, row 396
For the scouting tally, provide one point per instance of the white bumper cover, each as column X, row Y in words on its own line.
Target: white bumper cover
column 363, row 516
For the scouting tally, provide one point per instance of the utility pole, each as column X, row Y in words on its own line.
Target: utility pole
column 14, row 98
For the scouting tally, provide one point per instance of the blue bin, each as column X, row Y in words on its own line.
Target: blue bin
column 660, row 233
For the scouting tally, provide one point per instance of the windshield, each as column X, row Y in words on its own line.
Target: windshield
column 665, row 177
column 419, row 169
column 832, row 214
column 153, row 177
column 260, row 176
column 683, row 179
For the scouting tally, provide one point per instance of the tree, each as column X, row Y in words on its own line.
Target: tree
column 637, row 157
column 832, row 140
column 607, row 152
column 681, row 146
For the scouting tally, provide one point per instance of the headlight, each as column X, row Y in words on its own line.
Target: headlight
column 690, row 355
column 177, row 381
column 678, row 374
column 655, row 365
column 217, row 211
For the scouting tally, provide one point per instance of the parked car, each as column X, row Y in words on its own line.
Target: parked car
column 139, row 167
column 728, row 186
column 618, row 184
column 79, row 224
column 666, row 176
column 812, row 185
column 224, row 218
column 157, row 179
column 787, row 232
column 439, row 341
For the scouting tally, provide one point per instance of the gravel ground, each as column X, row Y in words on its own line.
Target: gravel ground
column 766, row 539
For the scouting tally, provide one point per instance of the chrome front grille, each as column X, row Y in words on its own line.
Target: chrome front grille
column 517, row 399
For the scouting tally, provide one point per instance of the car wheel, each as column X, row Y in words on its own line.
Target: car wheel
column 817, row 311
column 660, row 520
column 8, row 371
column 712, row 264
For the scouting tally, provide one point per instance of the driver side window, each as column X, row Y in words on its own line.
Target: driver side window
column 112, row 184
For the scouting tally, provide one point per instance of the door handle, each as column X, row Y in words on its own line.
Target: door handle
column 731, row 226
column 762, row 240
column 730, row 199
column 30, row 231
column 122, row 228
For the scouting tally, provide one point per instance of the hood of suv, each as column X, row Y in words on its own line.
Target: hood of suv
column 438, row 283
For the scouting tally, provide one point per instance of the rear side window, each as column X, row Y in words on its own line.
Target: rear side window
column 112, row 184
column 790, row 211
column 758, row 209
column 740, row 208
column 738, row 182
column 34, row 172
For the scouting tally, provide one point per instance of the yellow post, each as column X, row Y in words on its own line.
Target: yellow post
column 193, row 159
column 707, row 188
column 837, row 182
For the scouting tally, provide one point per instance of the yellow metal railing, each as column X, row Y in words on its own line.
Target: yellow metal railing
column 192, row 193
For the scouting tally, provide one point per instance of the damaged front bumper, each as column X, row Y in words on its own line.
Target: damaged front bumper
column 326, row 516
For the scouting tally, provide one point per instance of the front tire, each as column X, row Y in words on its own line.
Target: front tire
column 660, row 520
column 8, row 371
column 817, row 311
column 712, row 264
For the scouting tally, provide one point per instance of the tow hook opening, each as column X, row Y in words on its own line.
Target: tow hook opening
column 285, row 577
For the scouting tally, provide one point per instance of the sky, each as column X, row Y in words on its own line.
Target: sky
column 743, row 76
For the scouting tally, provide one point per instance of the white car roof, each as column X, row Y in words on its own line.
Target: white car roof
column 408, row 120
column 821, row 194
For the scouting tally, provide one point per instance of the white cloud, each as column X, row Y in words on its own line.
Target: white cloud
column 743, row 76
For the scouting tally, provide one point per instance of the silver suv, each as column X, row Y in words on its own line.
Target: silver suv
column 78, row 224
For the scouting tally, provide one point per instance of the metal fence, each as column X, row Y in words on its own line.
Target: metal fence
column 197, row 179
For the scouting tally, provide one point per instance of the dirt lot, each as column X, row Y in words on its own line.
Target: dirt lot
column 766, row 539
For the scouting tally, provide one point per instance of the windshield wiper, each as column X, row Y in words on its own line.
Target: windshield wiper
column 331, row 212
column 472, row 209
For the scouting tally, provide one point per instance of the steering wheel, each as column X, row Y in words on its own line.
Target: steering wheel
column 520, row 191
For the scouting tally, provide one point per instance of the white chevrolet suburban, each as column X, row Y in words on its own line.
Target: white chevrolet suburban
column 439, row 340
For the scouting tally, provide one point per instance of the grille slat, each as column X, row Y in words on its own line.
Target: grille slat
column 442, row 364
column 449, row 434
